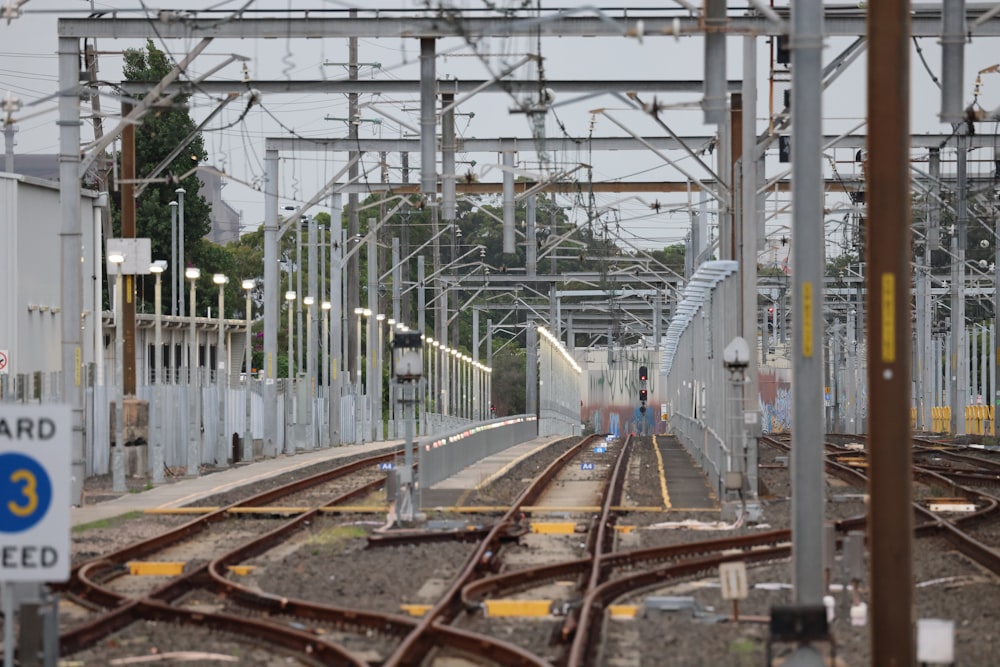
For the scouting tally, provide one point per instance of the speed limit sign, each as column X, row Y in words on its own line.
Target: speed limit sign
column 34, row 492
column 3, row 361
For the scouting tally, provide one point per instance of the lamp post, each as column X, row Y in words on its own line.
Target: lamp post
column 157, row 268
column 325, row 372
column 290, row 298
column 221, row 455
column 247, row 454
column 118, row 455
column 180, row 247
column 380, row 412
column 175, row 275
column 305, row 390
column 359, row 404
column 194, row 453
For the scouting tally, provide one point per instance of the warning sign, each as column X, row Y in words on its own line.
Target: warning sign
column 3, row 361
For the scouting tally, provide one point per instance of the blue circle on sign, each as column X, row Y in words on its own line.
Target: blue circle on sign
column 25, row 492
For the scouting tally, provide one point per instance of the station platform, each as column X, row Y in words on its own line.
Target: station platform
column 187, row 490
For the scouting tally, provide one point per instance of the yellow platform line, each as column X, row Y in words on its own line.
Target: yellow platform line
column 556, row 508
column 623, row 611
column 663, row 474
column 180, row 510
column 415, row 609
column 554, row 528
column 156, row 569
column 508, row 608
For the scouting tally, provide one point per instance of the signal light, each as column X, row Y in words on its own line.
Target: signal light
column 642, row 409
column 643, row 375
column 642, row 395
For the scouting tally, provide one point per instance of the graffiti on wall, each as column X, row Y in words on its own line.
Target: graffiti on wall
column 775, row 401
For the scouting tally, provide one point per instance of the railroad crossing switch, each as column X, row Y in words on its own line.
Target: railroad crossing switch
column 154, row 569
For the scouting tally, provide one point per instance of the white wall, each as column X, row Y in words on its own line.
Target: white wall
column 30, row 220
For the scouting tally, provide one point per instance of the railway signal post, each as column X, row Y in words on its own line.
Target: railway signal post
column 407, row 368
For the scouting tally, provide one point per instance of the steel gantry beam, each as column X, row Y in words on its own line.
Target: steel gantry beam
column 838, row 21
column 403, row 86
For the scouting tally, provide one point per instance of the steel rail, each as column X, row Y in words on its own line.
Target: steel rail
column 602, row 539
column 418, row 643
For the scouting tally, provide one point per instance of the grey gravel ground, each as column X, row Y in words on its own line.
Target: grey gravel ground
column 328, row 563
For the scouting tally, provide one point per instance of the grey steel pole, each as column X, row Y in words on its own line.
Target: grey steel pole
column 807, row 250
column 118, row 455
column 953, row 36
column 247, row 454
column 194, row 450
column 428, row 117
column 176, row 270
column 531, row 369
column 374, row 377
column 181, row 266
column 395, row 408
column 959, row 350
column 338, row 314
column 509, row 241
column 995, row 373
column 299, row 301
column 70, row 235
column 714, row 104
column 221, row 455
column 425, row 383
column 313, row 323
column 327, row 306
column 158, row 356
column 448, row 160
column 530, row 243
column 748, row 258
column 271, row 304
column 890, row 487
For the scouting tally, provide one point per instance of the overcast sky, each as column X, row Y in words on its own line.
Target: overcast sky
column 28, row 70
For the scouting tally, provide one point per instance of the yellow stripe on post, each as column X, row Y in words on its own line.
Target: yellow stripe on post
column 807, row 319
column 888, row 318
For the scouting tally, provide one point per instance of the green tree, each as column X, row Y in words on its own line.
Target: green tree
column 159, row 133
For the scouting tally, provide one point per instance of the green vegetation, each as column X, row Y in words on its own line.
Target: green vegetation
column 113, row 522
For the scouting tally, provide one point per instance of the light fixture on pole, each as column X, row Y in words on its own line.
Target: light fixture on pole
column 221, row 455
column 194, row 451
column 118, row 457
column 247, row 453
column 290, row 298
column 157, row 268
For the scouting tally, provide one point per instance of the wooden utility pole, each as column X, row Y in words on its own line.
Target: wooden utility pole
column 128, row 232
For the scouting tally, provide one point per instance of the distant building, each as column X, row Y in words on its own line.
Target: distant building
column 30, row 292
column 225, row 220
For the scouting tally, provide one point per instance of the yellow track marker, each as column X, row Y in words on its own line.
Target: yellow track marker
column 241, row 570
column 554, row 528
column 663, row 474
column 624, row 529
column 623, row 611
column 500, row 608
column 155, row 569
column 415, row 609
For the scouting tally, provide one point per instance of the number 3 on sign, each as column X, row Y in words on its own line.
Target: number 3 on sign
column 26, row 492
